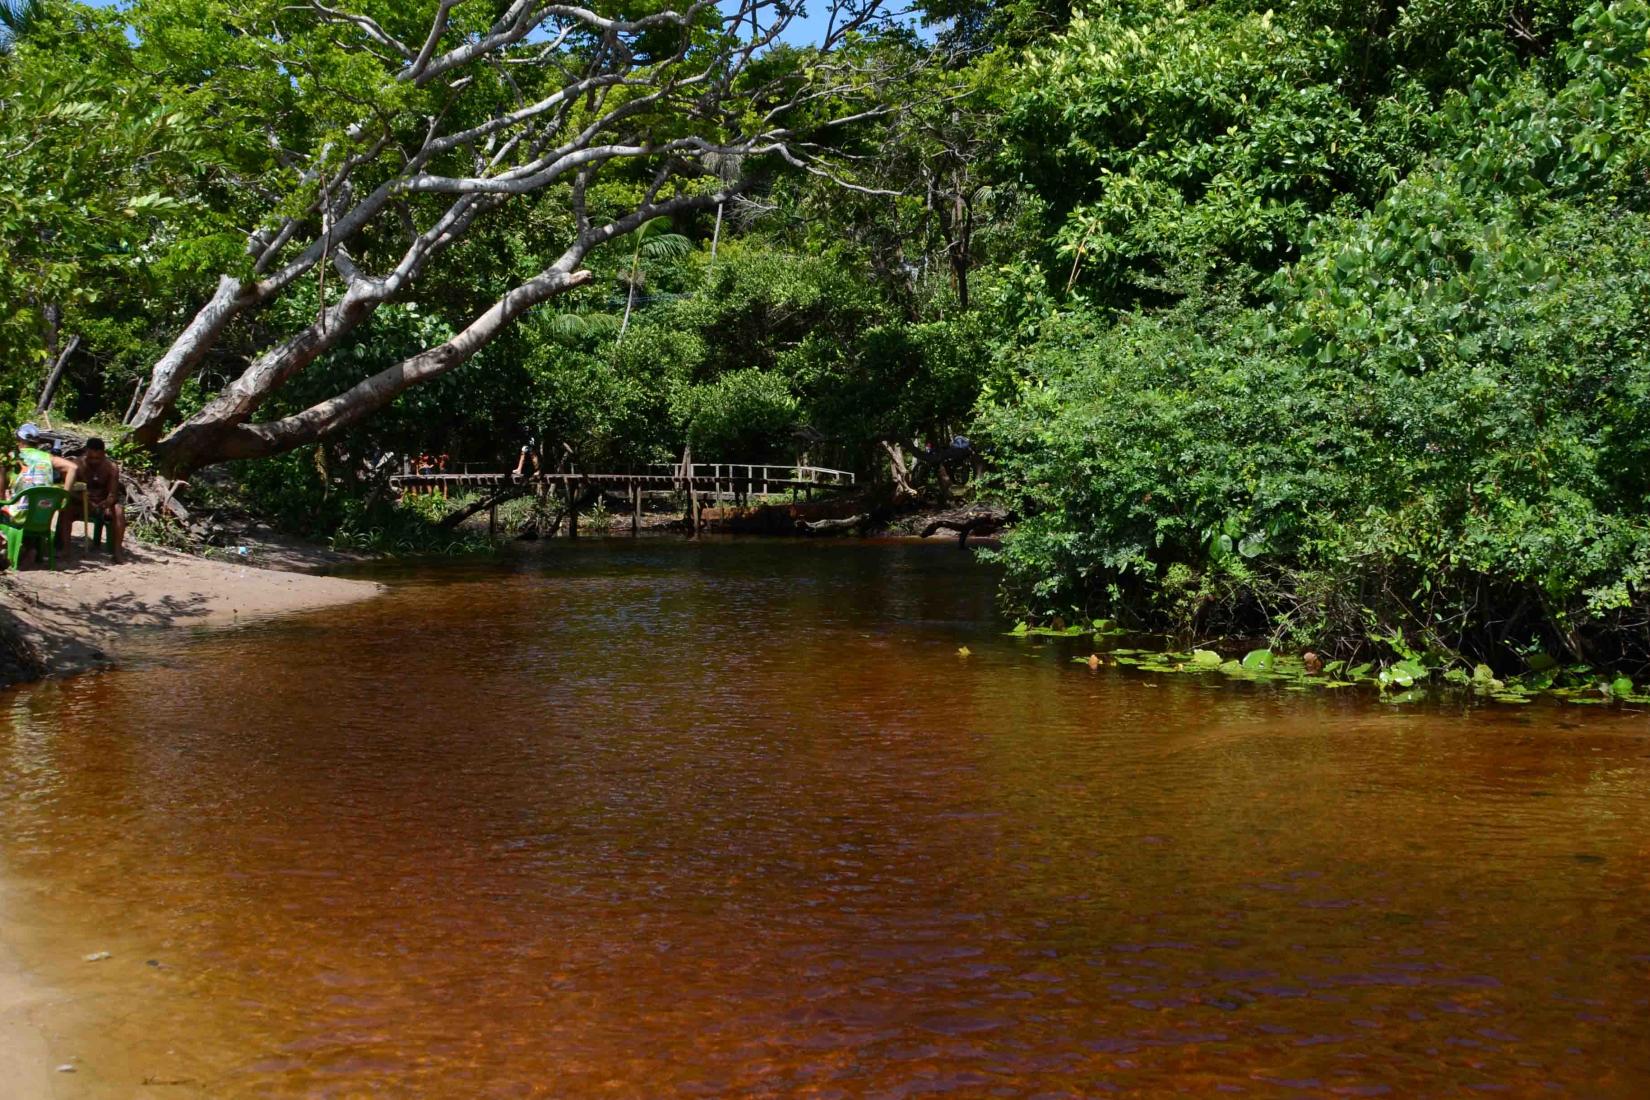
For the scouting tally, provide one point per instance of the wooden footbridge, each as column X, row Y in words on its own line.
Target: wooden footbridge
column 700, row 482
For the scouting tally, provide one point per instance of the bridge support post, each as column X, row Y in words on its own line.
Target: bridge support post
column 635, row 507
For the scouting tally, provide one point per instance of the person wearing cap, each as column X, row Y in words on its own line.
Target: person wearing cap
column 35, row 466
column 528, row 454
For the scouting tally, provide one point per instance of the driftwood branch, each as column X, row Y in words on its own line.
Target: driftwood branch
column 833, row 526
column 981, row 520
column 481, row 504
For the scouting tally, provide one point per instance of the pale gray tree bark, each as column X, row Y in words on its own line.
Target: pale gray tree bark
column 615, row 101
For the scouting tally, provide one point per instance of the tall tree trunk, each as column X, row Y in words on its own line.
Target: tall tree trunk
column 692, row 493
column 629, row 304
column 903, row 489
column 49, row 390
column 962, row 245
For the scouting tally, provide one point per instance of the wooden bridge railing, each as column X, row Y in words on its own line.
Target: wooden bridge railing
column 748, row 477
column 758, row 476
column 715, row 481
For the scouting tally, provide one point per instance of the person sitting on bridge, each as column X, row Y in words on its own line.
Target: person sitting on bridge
column 528, row 454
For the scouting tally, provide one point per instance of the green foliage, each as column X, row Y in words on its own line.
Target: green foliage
column 743, row 412
column 1323, row 322
column 100, row 200
column 142, row 143
column 1430, row 428
column 18, row 19
column 1174, row 140
column 738, row 356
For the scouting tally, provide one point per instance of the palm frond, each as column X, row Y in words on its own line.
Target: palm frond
column 578, row 326
column 17, row 19
column 666, row 246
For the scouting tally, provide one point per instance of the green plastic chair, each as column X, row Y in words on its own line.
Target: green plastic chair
column 99, row 527
column 43, row 502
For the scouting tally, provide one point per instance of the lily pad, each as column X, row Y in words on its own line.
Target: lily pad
column 1415, row 669
column 1208, row 658
column 1259, row 660
column 1024, row 630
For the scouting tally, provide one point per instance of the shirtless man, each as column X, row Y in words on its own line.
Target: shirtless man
column 102, row 478
column 528, row 455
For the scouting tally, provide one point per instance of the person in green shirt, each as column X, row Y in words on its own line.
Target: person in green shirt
column 32, row 465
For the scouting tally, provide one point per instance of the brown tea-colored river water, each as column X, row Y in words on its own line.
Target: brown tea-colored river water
column 650, row 819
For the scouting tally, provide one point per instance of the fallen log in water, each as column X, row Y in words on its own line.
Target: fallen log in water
column 833, row 526
column 968, row 521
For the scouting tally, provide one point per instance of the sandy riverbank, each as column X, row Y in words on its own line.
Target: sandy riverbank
column 25, row 1057
column 79, row 617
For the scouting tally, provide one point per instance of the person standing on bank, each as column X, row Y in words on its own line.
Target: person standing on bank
column 102, row 478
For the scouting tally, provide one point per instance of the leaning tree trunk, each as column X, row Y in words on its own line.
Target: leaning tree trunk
column 221, row 430
column 49, row 391
column 359, row 195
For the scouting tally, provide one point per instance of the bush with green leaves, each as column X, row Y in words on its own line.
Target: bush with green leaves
column 1433, row 426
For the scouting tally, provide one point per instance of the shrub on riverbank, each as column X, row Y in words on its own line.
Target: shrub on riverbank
column 1432, row 425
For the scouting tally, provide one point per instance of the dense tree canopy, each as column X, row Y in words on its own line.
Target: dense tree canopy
column 1339, row 356
column 1325, row 319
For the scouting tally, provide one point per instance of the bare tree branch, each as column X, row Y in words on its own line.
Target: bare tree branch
column 543, row 102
